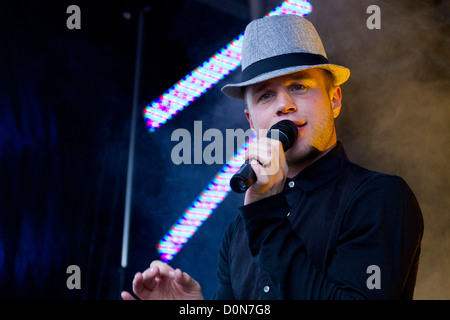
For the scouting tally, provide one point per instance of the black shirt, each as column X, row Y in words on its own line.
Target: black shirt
column 337, row 231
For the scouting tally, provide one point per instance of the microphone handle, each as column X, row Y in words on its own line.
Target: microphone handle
column 243, row 178
column 284, row 131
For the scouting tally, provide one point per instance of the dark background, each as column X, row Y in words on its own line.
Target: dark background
column 65, row 114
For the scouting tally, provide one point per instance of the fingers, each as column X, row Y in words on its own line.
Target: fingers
column 161, row 281
column 163, row 268
column 126, row 296
column 144, row 284
column 159, row 270
column 150, row 277
column 269, row 164
column 261, row 150
column 182, row 278
column 268, row 154
column 261, row 173
column 138, row 285
column 267, row 159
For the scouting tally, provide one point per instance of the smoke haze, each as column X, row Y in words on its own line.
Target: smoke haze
column 396, row 108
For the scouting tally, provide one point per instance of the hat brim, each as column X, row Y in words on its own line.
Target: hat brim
column 236, row 90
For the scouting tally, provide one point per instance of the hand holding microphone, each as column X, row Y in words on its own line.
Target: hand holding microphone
column 286, row 132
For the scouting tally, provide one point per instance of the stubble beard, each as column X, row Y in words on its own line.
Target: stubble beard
column 305, row 155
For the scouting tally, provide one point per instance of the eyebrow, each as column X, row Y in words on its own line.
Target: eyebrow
column 261, row 87
column 300, row 76
column 291, row 78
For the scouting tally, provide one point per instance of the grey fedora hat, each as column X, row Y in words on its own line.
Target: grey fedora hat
column 279, row 45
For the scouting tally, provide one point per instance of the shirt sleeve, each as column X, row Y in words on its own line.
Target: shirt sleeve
column 224, row 289
column 381, row 226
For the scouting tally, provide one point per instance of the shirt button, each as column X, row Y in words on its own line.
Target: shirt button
column 266, row 289
column 291, row 184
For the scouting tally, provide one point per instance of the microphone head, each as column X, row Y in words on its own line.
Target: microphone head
column 285, row 131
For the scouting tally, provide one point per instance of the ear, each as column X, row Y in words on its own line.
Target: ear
column 249, row 118
column 336, row 100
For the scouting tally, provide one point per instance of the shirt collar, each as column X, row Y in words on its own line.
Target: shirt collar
column 323, row 170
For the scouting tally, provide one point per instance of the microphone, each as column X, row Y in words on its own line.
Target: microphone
column 286, row 132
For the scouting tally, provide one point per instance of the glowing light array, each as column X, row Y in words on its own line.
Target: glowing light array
column 208, row 73
column 201, row 208
column 176, row 99
column 193, row 85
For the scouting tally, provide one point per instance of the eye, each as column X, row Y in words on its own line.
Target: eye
column 299, row 87
column 265, row 96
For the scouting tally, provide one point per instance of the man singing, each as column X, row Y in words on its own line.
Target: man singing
column 318, row 226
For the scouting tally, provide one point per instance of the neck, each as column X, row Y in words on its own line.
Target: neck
column 295, row 167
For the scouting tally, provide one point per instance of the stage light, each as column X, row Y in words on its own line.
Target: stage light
column 205, row 76
column 178, row 97
column 202, row 207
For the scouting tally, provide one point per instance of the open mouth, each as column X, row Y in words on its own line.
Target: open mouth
column 300, row 128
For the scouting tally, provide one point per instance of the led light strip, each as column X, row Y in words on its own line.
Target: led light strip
column 178, row 97
column 208, row 73
column 201, row 208
column 193, row 85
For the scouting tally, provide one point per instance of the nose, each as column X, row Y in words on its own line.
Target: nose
column 285, row 104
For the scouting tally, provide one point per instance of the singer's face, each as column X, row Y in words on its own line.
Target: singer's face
column 304, row 97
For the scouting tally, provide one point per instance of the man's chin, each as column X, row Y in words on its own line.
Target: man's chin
column 303, row 154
